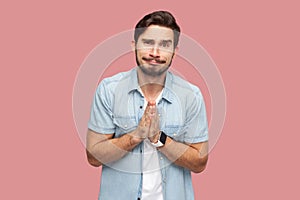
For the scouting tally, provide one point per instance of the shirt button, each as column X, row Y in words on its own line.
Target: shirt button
column 125, row 125
column 174, row 134
column 161, row 158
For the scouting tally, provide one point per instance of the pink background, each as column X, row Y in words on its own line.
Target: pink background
column 255, row 45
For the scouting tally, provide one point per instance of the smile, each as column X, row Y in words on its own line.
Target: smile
column 154, row 60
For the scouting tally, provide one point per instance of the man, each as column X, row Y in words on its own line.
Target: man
column 148, row 127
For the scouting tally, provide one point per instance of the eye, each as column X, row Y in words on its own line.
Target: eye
column 165, row 44
column 148, row 42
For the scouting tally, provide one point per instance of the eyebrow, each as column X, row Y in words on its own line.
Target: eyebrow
column 165, row 41
column 147, row 40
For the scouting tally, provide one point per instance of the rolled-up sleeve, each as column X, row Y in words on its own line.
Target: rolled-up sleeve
column 101, row 116
column 196, row 127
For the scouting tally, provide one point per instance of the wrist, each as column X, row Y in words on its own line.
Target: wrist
column 134, row 139
column 164, row 148
column 168, row 140
column 162, row 137
column 154, row 138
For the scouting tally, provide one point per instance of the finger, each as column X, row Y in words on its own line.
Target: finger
column 145, row 113
column 154, row 126
column 148, row 121
column 152, row 110
column 151, row 103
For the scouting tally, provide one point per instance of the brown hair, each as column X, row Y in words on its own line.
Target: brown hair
column 161, row 18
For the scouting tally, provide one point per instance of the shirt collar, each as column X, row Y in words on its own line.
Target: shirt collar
column 133, row 81
column 167, row 94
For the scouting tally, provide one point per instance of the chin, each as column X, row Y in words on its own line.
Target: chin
column 153, row 71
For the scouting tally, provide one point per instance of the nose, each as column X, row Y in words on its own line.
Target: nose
column 154, row 52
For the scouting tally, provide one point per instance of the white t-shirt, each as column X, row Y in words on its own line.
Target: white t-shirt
column 152, row 184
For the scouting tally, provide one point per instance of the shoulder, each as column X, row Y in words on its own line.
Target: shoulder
column 116, row 78
column 183, row 87
column 110, row 83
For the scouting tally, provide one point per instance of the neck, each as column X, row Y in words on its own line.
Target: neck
column 144, row 79
column 151, row 86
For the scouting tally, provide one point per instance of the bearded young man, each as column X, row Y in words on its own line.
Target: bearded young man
column 148, row 128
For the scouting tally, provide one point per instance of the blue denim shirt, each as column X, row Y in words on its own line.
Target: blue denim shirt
column 117, row 108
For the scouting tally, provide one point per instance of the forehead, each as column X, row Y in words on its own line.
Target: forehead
column 157, row 33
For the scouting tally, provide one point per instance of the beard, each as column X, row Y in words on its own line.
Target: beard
column 153, row 72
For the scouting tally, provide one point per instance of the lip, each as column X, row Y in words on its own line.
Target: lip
column 152, row 61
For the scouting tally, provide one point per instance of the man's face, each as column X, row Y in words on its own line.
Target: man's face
column 155, row 50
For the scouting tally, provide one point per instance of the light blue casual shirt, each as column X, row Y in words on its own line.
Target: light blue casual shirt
column 118, row 107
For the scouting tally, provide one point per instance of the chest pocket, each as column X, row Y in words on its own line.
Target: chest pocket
column 171, row 122
column 174, row 130
column 124, row 125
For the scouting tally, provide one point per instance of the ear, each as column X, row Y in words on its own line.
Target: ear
column 133, row 45
column 175, row 51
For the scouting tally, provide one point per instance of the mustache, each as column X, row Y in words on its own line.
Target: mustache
column 156, row 60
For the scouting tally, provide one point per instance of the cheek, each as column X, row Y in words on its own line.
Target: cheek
column 167, row 56
column 138, row 54
column 167, row 52
column 141, row 52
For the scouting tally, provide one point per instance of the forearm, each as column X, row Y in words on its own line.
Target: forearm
column 110, row 150
column 186, row 156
